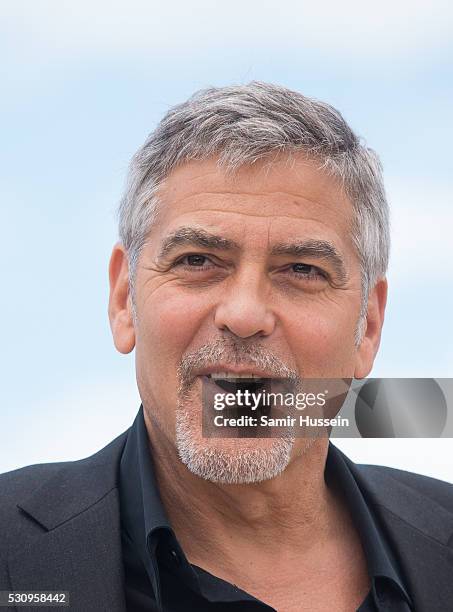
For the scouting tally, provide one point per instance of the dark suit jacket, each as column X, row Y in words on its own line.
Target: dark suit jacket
column 60, row 530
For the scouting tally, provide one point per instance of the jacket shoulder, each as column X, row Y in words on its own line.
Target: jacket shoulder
column 382, row 478
column 25, row 480
column 65, row 479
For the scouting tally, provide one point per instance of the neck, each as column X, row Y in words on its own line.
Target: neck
column 292, row 512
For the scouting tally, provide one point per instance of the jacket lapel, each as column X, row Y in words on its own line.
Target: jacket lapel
column 71, row 537
column 420, row 531
column 426, row 564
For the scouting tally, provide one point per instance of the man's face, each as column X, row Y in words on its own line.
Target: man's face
column 254, row 269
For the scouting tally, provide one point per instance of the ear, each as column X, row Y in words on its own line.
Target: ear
column 120, row 307
column 369, row 345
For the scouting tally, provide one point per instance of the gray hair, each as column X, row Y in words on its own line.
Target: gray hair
column 246, row 123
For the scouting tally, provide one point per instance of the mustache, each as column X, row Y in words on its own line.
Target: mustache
column 234, row 352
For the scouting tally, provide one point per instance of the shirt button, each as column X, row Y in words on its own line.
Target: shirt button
column 175, row 557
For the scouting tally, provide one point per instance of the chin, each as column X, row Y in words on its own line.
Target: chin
column 229, row 460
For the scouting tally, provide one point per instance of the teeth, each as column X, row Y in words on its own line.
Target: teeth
column 218, row 375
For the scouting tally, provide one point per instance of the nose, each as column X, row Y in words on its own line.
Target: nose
column 244, row 309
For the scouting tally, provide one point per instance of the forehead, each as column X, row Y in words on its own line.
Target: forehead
column 291, row 195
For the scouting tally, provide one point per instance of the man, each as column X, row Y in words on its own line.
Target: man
column 254, row 243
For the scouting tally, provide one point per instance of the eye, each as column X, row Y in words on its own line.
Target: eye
column 194, row 261
column 307, row 271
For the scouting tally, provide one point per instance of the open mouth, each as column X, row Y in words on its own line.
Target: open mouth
column 234, row 383
column 247, row 393
column 241, row 400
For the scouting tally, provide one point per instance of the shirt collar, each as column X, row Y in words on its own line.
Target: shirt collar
column 143, row 516
column 381, row 561
column 138, row 483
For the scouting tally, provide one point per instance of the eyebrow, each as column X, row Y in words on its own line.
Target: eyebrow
column 319, row 249
column 196, row 237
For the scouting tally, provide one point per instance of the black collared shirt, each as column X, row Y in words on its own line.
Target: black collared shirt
column 159, row 578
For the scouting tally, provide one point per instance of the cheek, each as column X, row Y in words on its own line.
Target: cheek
column 323, row 343
column 165, row 332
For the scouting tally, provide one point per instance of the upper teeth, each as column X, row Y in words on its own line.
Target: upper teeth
column 216, row 375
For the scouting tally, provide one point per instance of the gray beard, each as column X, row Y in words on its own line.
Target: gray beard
column 232, row 466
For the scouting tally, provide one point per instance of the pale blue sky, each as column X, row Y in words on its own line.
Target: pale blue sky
column 83, row 84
